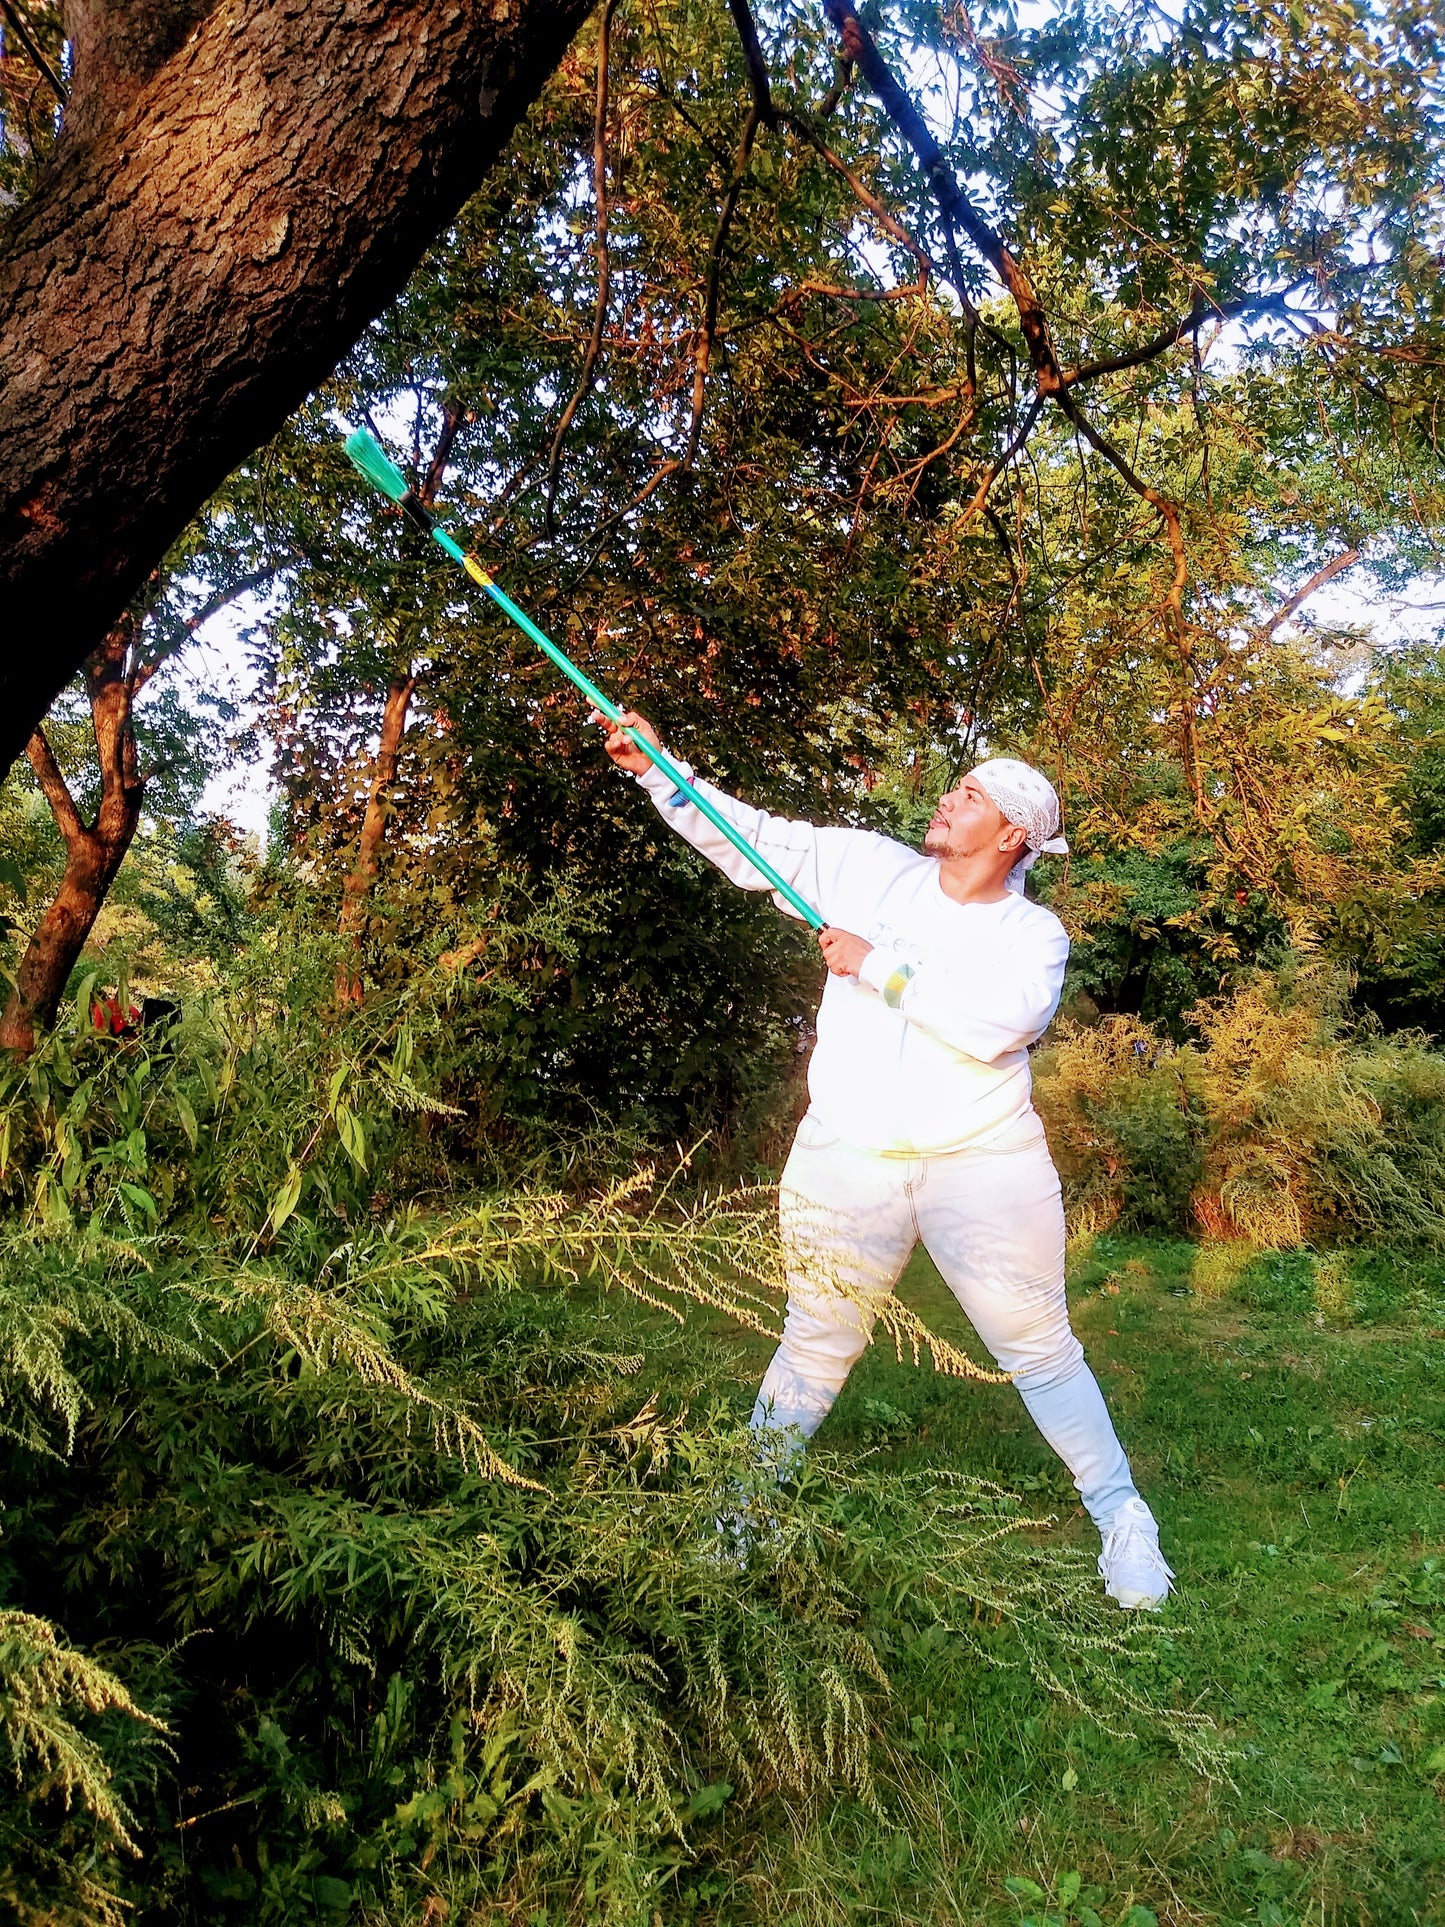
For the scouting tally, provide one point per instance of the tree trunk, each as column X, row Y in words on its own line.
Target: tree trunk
column 238, row 190
column 58, row 940
column 93, row 852
column 357, row 887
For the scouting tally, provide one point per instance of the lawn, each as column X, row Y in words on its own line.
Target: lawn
column 1287, row 1426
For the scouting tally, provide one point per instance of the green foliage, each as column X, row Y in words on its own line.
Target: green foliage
column 1393, row 940
column 62, row 1822
column 429, row 1525
column 1282, row 1122
column 1154, row 936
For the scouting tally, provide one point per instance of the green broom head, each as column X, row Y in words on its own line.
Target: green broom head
column 378, row 469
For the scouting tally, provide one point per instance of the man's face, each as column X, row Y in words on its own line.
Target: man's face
column 966, row 821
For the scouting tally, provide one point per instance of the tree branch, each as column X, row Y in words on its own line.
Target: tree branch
column 842, row 81
column 604, row 263
column 702, row 358
column 452, row 417
column 254, row 579
column 997, row 467
column 754, row 60
column 55, row 789
column 859, row 45
column 890, row 224
column 37, row 59
column 1146, row 351
column 1165, row 506
column 1316, row 581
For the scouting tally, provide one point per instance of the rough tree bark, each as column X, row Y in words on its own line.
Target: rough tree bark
column 93, row 851
column 238, row 190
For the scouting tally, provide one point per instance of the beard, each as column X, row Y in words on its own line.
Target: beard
column 936, row 843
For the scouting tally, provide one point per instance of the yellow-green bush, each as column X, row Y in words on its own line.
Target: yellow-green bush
column 1283, row 1123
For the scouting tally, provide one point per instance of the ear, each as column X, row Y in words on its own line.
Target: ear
column 1013, row 838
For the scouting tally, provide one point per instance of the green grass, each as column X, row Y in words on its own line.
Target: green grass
column 1294, row 1457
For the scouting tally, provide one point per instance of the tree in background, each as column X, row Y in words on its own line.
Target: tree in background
column 719, row 418
column 122, row 761
column 761, row 418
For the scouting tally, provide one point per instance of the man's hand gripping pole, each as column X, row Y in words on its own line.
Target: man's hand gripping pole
column 384, row 475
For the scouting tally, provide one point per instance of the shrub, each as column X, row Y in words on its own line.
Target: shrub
column 1124, row 1132
column 64, row 1825
column 427, row 1522
column 1283, row 1123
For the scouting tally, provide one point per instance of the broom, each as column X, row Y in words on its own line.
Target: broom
column 384, row 475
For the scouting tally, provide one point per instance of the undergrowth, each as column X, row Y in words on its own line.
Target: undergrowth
column 1284, row 1122
column 390, row 1536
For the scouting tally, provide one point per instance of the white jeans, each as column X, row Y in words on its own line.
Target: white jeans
column 993, row 1223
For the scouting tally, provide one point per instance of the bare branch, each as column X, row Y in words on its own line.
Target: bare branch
column 1302, row 594
column 604, row 262
column 890, row 224
column 604, row 528
column 55, row 789
column 842, row 81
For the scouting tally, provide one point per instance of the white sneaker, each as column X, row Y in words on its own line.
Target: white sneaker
column 1131, row 1564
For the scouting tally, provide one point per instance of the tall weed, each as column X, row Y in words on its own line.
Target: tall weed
column 1282, row 1123
column 427, row 1520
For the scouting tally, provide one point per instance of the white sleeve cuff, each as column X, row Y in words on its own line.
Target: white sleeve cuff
column 887, row 973
column 876, row 968
column 658, row 784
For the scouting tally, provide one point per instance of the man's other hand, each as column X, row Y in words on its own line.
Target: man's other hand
column 842, row 951
column 620, row 746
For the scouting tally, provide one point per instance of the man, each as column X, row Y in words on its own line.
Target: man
column 921, row 1123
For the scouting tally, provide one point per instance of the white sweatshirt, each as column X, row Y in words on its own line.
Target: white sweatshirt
column 926, row 1051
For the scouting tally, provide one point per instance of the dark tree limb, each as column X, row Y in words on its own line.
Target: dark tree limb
column 1146, row 351
column 755, row 61
column 238, row 190
column 706, row 335
column 604, row 262
column 958, row 210
column 842, row 81
column 42, row 66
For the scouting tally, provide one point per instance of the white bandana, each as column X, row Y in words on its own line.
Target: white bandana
column 1023, row 796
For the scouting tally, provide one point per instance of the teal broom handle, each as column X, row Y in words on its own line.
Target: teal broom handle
column 657, row 756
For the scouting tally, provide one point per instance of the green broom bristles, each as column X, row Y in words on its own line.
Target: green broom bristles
column 376, row 467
